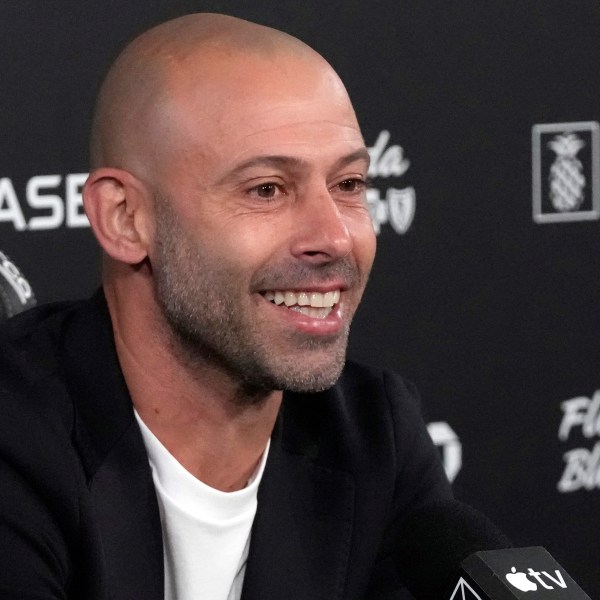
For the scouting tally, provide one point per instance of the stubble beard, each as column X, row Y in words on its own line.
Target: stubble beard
column 201, row 308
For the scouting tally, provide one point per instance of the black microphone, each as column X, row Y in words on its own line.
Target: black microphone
column 511, row 573
column 450, row 551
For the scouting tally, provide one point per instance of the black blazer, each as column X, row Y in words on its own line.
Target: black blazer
column 78, row 512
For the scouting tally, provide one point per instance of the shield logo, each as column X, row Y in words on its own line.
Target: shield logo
column 401, row 208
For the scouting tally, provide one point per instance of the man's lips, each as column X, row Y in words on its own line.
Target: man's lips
column 313, row 304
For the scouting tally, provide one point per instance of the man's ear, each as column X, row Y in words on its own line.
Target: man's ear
column 117, row 205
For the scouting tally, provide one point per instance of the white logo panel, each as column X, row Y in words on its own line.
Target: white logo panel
column 566, row 172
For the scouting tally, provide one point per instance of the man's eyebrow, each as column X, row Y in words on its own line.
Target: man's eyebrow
column 278, row 161
column 360, row 154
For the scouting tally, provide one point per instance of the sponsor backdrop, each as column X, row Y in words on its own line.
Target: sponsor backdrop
column 482, row 119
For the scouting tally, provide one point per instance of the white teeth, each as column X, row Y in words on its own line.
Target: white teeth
column 289, row 298
column 314, row 313
column 331, row 298
column 278, row 298
column 303, row 299
column 316, row 300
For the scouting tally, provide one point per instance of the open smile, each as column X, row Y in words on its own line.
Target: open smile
column 316, row 305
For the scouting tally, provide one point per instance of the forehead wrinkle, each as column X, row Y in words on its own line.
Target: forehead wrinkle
column 351, row 125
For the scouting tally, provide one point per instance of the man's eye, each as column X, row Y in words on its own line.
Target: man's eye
column 267, row 191
column 351, row 185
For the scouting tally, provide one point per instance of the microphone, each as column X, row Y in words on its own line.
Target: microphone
column 450, row 551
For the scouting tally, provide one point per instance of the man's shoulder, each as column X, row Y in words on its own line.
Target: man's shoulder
column 357, row 371
column 30, row 342
column 366, row 403
column 60, row 377
column 44, row 352
column 379, row 402
column 44, row 317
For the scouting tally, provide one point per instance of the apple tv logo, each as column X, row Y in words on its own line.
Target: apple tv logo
column 522, row 582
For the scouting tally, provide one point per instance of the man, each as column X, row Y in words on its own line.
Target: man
column 148, row 448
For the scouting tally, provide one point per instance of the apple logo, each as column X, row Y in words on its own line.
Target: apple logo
column 520, row 581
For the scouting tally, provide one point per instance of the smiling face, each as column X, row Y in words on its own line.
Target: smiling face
column 263, row 242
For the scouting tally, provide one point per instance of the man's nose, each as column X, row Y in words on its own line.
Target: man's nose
column 321, row 229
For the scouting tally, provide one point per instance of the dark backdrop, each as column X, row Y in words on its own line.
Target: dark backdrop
column 486, row 289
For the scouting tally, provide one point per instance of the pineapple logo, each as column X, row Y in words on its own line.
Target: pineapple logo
column 565, row 169
column 567, row 181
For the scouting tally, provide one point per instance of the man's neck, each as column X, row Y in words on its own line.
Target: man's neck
column 196, row 411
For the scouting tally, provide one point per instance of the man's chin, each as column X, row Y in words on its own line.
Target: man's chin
column 257, row 388
column 307, row 379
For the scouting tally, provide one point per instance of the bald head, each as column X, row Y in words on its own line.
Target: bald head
column 132, row 122
column 228, row 162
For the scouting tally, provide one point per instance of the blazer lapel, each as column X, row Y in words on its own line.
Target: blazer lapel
column 128, row 518
column 114, row 458
column 302, row 530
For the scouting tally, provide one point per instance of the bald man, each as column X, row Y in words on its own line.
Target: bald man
column 193, row 431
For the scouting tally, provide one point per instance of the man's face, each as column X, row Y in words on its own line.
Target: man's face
column 263, row 240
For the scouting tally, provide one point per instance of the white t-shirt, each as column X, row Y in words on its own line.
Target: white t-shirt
column 206, row 532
